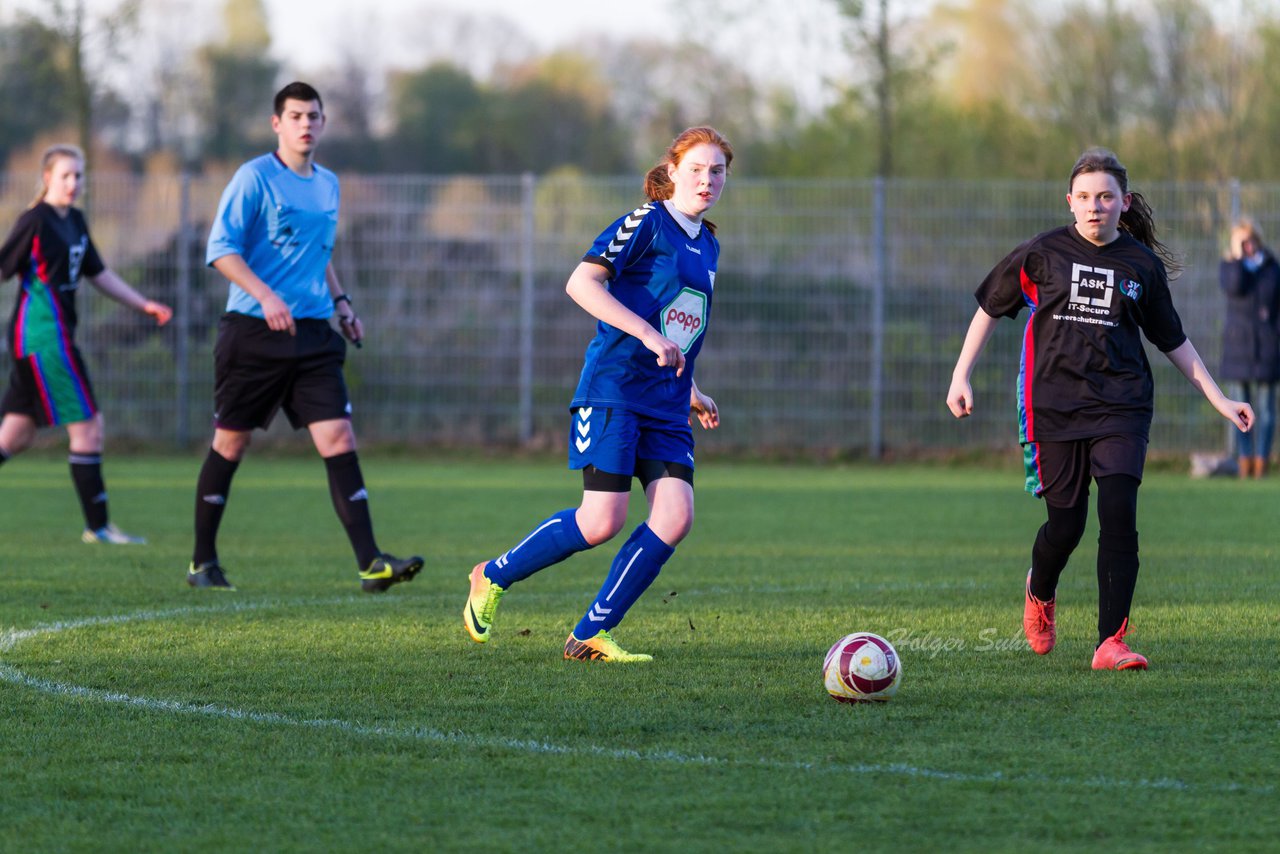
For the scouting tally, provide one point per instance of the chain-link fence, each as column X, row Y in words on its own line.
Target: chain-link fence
column 840, row 306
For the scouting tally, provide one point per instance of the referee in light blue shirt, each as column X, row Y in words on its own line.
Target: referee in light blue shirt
column 272, row 239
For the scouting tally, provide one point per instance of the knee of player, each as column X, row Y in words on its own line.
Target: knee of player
column 15, row 443
column 231, row 444
column 671, row 524
column 600, row 527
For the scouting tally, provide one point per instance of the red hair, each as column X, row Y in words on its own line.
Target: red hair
column 657, row 183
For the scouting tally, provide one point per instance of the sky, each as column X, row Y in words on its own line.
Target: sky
column 300, row 27
column 398, row 33
column 786, row 42
column 780, row 38
column 776, row 41
column 549, row 23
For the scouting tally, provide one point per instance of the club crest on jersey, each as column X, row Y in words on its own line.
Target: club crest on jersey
column 1131, row 289
column 75, row 257
column 685, row 317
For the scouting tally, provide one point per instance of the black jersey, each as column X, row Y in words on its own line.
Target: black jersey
column 49, row 252
column 1084, row 371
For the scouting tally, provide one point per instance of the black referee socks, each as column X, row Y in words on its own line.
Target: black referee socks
column 351, row 501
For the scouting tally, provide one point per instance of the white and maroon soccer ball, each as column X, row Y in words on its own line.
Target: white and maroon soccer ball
column 862, row 667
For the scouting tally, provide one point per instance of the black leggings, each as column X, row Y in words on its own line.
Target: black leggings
column 1117, row 549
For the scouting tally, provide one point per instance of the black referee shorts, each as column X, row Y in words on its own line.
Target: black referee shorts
column 258, row 371
column 1059, row 472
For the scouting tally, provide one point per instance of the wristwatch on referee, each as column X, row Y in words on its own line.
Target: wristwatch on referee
column 345, row 320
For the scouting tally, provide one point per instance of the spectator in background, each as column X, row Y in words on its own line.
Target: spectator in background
column 1250, row 278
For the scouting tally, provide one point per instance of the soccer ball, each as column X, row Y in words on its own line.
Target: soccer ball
column 862, row 667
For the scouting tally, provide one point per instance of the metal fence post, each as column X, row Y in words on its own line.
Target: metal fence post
column 182, row 332
column 528, row 188
column 1237, row 209
column 875, row 444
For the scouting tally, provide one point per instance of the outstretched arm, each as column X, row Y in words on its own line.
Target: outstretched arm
column 960, row 395
column 1186, row 359
column 120, row 291
column 586, row 286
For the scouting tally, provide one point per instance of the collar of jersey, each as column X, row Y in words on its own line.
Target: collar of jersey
column 688, row 226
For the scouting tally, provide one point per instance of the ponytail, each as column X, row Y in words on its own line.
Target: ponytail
column 1140, row 222
column 657, row 183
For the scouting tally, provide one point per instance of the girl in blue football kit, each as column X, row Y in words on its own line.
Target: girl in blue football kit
column 649, row 280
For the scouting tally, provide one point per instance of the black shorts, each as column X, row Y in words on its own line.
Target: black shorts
column 1059, row 472
column 50, row 387
column 258, row 371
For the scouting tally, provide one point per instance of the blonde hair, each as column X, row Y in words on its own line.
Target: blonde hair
column 1248, row 230
column 657, row 183
column 51, row 154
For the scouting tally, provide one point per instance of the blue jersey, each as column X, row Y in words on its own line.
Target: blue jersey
column 283, row 226
column 666, row 276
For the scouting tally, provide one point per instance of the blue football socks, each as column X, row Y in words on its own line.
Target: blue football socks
column 555, row 539
column 634, row 569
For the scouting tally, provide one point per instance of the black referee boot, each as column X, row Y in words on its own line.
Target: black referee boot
column 208, row 574
column 386, row 570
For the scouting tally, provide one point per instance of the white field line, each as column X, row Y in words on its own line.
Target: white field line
column 8, row 673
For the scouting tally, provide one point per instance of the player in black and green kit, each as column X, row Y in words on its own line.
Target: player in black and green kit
column 1085, row 390
column 49, row 249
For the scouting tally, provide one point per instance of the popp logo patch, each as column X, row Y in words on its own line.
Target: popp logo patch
column 685, row 317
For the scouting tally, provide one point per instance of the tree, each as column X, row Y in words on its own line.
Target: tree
column 1095, row 68
column 34, row 86
column 892, row 72
column 982, row 46
column 350, row 97
column 1252, row 108
column 656, row 90
column 47, row 71
column 241, row 77
column 553, row 113
column 439, row 113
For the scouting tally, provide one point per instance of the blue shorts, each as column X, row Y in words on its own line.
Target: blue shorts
column 613, row 440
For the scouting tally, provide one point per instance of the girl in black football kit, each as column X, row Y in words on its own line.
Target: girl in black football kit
column 49, row 251
column 1085, row 388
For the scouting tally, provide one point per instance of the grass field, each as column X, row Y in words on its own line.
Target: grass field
column 300, row 714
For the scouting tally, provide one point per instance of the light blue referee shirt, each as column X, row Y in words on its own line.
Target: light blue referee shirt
column 283, row 225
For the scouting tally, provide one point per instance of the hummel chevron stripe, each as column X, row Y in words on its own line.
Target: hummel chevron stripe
column 628, row 228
